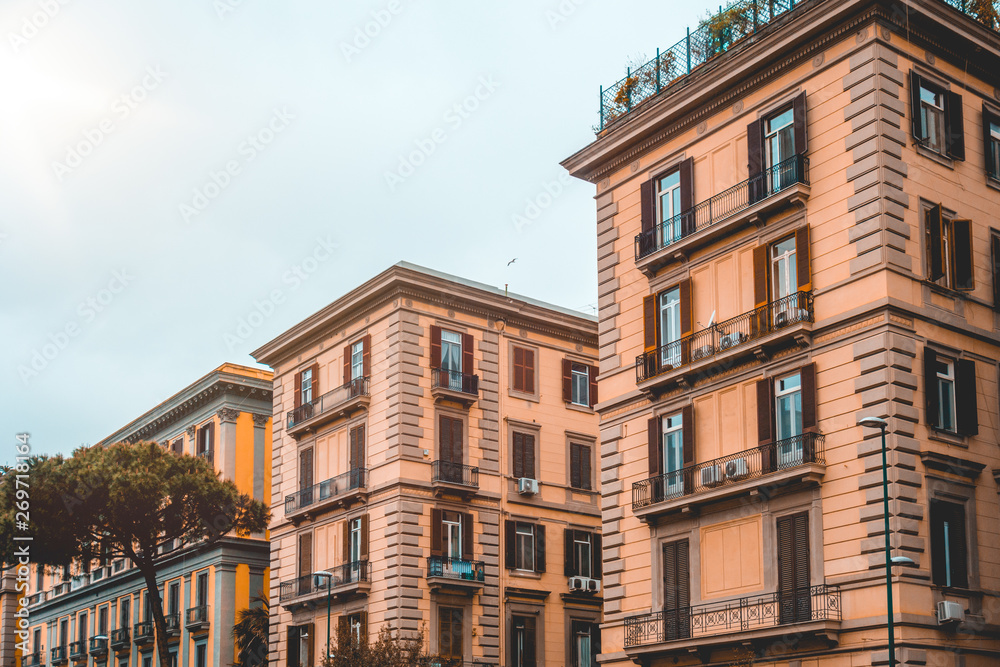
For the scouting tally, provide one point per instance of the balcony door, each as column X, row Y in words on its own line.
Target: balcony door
column 779, row 147
column 784, row 281
column 124, row 613
column 451, row 360
column 794, row 601
column 356, row 457
column 201, row 595
column 670, row 327
column 673, row 455
column 676, row 591
column 451, row 455
column 306, row 476
column 670, row 208
column 788, row 419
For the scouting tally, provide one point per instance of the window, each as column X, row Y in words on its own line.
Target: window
column 147, row 608
column 995, row 259
column 950, row 388
column 206, row 437
column 356, row 456
column 450, row 632
column 665, row 212
column 123, row 662
column 201, row 590
column 201, row 655
column 147, row 660
column 936, row 117
column 666, row 323
column 776, row 143
column 579, row 383
column 673, row 454
column 669, row 200
column 451, row 450
column 451, row 360
column 523, row 641
column 524, row 546
column 524, row 370
column 124, row 613
column 39, row 578
column 949, row 250
column 582, row 554
column 356, row 626
column 794, row 601
column 779, row 139
column 354, row 550
column 676, row 590
column 174, row 598
column 784, row 278
column 306, row 389
column 81, row 627
column 63, row 633
column 357, row 364
column 586, row 638
column 306, row 480
column 354, row 555
column 991, row 142
column 306, row 385
column 178, row 446
column 524, row 455
column 788, row 419
column 300, row 644
column 782, row 270
column 305, row 563
column 357, row 360
column 579, row 466
column 102, row 621
column 37, row 640
column 451, row 525
column 670, row 327
column 949, row 549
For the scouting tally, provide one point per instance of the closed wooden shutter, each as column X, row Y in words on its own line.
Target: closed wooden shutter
column 687, row 321
column 676, row 590
column 509, row 545
column 298, row 390
column 519, row 455
column 580, row 469
column 347, row 365
column 597, row 555
column 654, row 428
column 966, row 401
column 934, row 246
column 760, row 276
column 687, row 439
column 293, row 646
column 528, row 443
column 574, row 466
column 437, row 543
column 305, row 554
column 364, row 537
column 567, row 380
column 793, row 568
column 649, row 322
column 518, row 381
column 346, row 542
column 964, row 261
column 211, row 441
column 357, row 453
column 916, row 125
column 765, row 424
column 529, row 371
column 451, row 441
column 755, row 161
column 931, row 387
column 647, row 209
column 592, row 375
column 995, row 257
column 306, row 469
column 310, row 629
column 315, row 381
column 435, row 347
column 569, row 553
column 954, row 126
column 366, row 359
column 803, row 259
column 343, row 629
column 468, row 353
column 540, row 547
column 807, row 376
column 686, row 170
column 799, row 124
column 468, row 531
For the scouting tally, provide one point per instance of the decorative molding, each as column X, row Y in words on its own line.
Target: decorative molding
column 857, row 326
column 952, row 464
column 228, row 415
column 524, row 593
column 260, row 421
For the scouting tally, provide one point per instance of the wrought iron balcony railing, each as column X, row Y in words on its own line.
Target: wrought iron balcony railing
column 120, row 639
column 349, row 481
column 343, row 575
column 454, row 473
column 463, row 383
column 329, row 401
column 35, row 659
column 818, row 603
column 719, row 338
column 173, row 623
column 98, row 646
column 197, row 616
column 456, row 568
column 143, row 632
column 750, row 464
column 59, row 655
column 724, row 205
column 78, row 650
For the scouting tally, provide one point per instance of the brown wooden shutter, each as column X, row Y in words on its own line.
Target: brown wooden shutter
column 760, row 276
column 799, row 124
column 346, row 546
column 585, row 471
column 467, row 534
column 575, row 477
column 793, row 568
column 366, row 359
column 654, row 428
column 935, row 248
column 916, row 125
column 965, row 397
column 530, row 657
column 647, row 209
column 686, row 171
column 508, row 546
column 363, row 617
column 965, row 275
column 567, row 380
column 540, row 547
column 293, row 646
column 954, row 144
column 211, row 441
column 529, row 456
column 569, row 554
column 592, row 375
column 988, row 151
column 931, row 387
column 468, row 353
column 364, row 537
column 519, row 455
column 807, row 377
column 347, row 365
column 649, row 322
column 315, row 381
column 343, row 629
column 755, row 147
column 306, row 469
column 311, row 631
column 435, row 347
column 305, row 554
column 803, row 259
column 995, row 257
column 518, row 363
column 597, row 556
column 676, row 589
column 298, row 390
column 436, row 532
column 687, row 439
column 357, row 447
column 687, row 321
column 529, row 371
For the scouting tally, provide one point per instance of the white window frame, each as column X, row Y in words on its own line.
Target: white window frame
column 582, row 553
column 354, row 548
column 452, row 531
column 673, row 447
column 669, row 307
column 779, row 138
column 524, row 546
column 789, row 444
column 305, row 388
column 668, row 201
column 932, row 116
column 580, row 383
column 946, row 384
column 357, row 360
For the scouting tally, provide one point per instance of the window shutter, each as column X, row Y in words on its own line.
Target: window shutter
column 366, row 352
column 935, row 247
column 687, row 435
column 647, row 210
column 916, row 126
column 298, row 390
column 518, row 379
column 676, row 589
column 435, row 347
column 305, row 554
column 508, row 546
column 687, row 325
column 346, row 543
column 364, row 537
column 807, row 377
column 468, row 352
column 529, row 642
column 306, row 468
column 803, row 259
column 529, row 371
column 540, row 547
column 595, row 643
column 575, row 477
column 965, row 276
column 467, row 534
column 343, row 629
column 686, row 170
column 436, row 536
column 793, row 568
column 957, row 542
column 569, row 554
column 755, row 161
column 585, row 471
column 293, row 646
column 954, row 126
column 357, row 447
column 649, row 322
column 995, row 256
column 315, row 381
column 965, row 397
column 596, row 555
column 364, row 626
column 347, row 365
column 519, row 455
column 592, row 375
column 760, row 276
column 989, row 118
column 655, row 433
column 799, row 124
column 529, row 456
column 765, row 423
column 567, row 369
column 931, row 386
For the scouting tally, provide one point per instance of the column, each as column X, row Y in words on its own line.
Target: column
column 224, row 615
column 259, row 464
column 225, row 448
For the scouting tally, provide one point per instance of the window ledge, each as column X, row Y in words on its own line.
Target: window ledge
column 525, row 574
column 992, row 182
column 948, row 437
column 579, row 408
column 523, row 395
column 931, row 154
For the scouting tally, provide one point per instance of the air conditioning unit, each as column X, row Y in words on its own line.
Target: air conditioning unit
column 950, row 612
column 711, row 476
column 578, row 583
column 737, row 469
column 781, row 319
column 702, row 352
column 527, row 486
column 731, row 340
column 593, row 585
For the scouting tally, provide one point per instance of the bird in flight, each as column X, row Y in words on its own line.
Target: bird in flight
column 511, row 261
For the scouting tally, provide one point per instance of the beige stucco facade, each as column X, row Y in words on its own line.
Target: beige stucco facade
column 764, row 532
column 406, row 416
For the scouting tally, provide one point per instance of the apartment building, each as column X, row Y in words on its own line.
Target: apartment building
column 435, row 471
column 99, row 616
column 797, row 223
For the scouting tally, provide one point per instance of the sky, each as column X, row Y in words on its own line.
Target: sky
column 181, row 182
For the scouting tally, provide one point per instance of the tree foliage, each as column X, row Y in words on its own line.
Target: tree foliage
column 250, row 633
column 386, row 651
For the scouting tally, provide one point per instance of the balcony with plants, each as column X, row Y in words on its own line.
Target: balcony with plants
column 455, row 574
column 337, row 404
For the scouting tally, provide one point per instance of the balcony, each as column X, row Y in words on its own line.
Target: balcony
column 814, row 611
column 454, row 477
column 748, row 202
column 36, row 659
column 143, row 633
column 59, row 656
column 764, row 470
column 717, row 348
column 37, row 598
column 455, row 574
column 98, row 647
column 120, row 640
column 78, row 651
column 338, row 491
column 173, row 623
column 341, row 402
column 197, row 619
column 312, row 590
column 454, row 386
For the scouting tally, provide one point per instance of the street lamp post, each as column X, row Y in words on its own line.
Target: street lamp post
column 329, row 586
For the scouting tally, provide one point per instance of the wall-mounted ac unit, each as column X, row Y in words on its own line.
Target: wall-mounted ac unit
column 527, row 486
column 702, row 352
column 578, row 583
column 711, row 476
column 731, row 340
column 950, row 612
column 594, row 585
column 737, row 469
